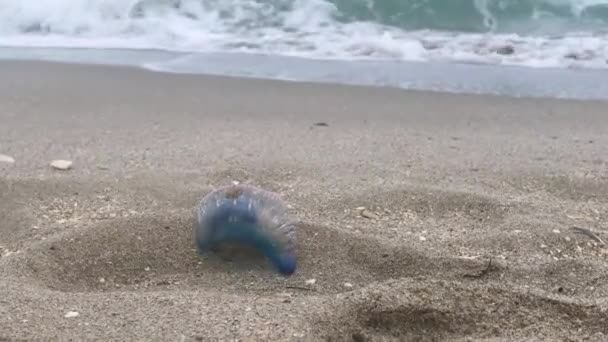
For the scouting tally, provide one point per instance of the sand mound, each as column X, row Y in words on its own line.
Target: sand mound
column 152, row 253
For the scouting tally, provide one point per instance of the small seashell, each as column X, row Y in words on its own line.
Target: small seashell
column 61, row 164
column 71, row 314
column 6, row 159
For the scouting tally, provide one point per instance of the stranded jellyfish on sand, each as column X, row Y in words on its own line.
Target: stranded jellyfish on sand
column 248, row 216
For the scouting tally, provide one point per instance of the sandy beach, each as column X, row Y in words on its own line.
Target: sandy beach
column 467, row 232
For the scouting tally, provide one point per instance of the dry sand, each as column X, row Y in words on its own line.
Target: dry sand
column 471, row 201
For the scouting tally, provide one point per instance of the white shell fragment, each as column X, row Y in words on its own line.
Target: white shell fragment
column 6, row 159
column 61, row 164
column 71, row 314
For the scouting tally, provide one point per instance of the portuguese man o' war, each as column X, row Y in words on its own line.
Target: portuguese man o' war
column 249, row 216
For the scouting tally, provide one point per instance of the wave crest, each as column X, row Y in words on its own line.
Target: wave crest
column 525, row 32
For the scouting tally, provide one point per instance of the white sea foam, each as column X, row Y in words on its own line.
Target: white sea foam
column 303, row 28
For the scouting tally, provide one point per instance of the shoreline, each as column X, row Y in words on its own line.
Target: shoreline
column 471, row 200
column 444, row 77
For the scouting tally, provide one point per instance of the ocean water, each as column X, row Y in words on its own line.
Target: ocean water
column 556, row 48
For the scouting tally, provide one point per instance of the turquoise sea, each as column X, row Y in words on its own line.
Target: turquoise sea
column 555, row 48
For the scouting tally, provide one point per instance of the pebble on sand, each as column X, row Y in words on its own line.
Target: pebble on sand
column 505, row 50
column 71, row 314
column 311, row 281
column 61, row 164
column 6, row 159
column 368, row 214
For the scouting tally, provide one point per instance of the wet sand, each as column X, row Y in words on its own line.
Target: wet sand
column 467, row 232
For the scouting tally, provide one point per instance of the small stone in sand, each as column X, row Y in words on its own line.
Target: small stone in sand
column 285, row 297
column 348, row 285
column 422, row 238
column 71, row 314
column 368, row 214
column 311, row 281
column 6, row 159
column 61, row 164
column 505, row 50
